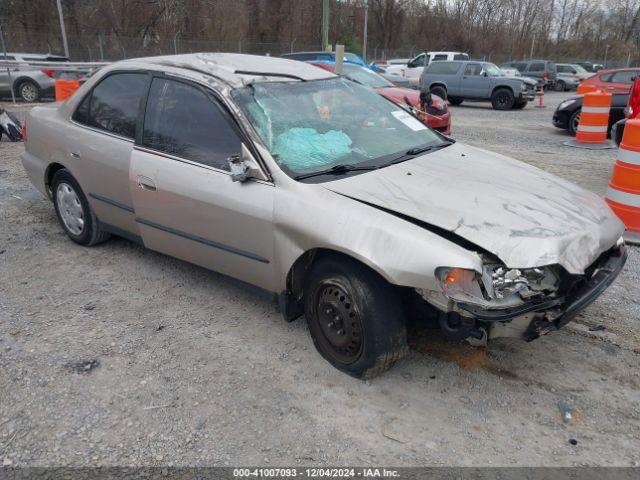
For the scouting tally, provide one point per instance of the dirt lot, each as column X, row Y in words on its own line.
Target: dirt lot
column 193, row 369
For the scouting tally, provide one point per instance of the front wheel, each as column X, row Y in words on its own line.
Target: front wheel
column 502, row 99
column 73, row 211
column 355, row 317
column 574, row 121
column 560, row 86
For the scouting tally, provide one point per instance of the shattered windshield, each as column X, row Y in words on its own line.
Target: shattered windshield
column 365, row 76
column 314, row 126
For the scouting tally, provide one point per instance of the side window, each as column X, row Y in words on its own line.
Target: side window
column 439, row 57
column 625, row 76
column 181, row 120
column 113, row 104
column 461, row 56
column 473, row 69
column 521, row 67
column 606, row 77
column 536, row 67
column 82, row 112
column 417, row 62
column 562, row 69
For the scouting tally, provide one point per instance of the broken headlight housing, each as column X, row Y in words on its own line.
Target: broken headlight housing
column 497, row 286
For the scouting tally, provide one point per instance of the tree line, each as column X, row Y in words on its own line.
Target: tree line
column 492, row 29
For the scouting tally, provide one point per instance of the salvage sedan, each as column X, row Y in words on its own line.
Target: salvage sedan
column 318, row 190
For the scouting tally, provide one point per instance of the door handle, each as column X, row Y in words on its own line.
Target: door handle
column 146, row 183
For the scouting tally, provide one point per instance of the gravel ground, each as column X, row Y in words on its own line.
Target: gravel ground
column 116, row 355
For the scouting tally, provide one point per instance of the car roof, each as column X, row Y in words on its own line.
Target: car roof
column 234, row 69
column 613, row 70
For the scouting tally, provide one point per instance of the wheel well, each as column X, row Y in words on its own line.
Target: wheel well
column 502, row 87
column 18, row 81
column 291, row 300
column 433, row 85
column 49, row 173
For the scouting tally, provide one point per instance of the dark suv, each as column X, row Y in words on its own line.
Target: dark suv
column 543, row 69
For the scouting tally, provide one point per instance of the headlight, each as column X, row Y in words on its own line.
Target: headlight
column 460, row 285
column 566, row 103
column 524, row 87
column 497, row 286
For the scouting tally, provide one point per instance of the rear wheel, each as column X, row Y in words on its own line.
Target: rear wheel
column 29, row 91
column 73, row 211
column 502, row 99
column 455, row 101
column 439, row 91
column 355, row 317
column 574, row 121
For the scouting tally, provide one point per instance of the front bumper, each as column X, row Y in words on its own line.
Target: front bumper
column 554, row 313
column 561, row 119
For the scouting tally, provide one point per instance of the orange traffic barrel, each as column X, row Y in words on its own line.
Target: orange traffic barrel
column 623, row 194
column 594, row 118
column 586, row 88
column 65, row 88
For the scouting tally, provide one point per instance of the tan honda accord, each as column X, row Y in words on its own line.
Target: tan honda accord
column 339, row 202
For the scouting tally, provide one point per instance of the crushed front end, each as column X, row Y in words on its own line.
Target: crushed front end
column 523, row 303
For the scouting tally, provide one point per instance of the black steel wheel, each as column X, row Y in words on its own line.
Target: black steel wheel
column 355, row 317
column 502, row 99
column 340, row 321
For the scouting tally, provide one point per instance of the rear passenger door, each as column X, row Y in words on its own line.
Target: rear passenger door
column 100, row 142
column 186, row 204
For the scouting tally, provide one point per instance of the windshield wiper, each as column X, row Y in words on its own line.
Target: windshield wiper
column 415, row 151
column 339, row 169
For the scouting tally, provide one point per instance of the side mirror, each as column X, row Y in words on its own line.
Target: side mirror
column 244, row 166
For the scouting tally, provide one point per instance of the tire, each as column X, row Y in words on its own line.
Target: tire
column 29, row 91
column 502, row 99
column 560, row 86
column 439, row 91
column 572, row 124
column 520, row 105
column 355, row 317
column 455, row 101
column 70, row 205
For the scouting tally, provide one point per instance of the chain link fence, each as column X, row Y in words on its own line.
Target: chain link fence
column 94, row 47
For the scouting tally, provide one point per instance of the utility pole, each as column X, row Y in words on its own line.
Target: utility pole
column 606, row 52
column 364, row 41
column 4, row 51
column 64, row 32
column 325, row 25
column 533, row 42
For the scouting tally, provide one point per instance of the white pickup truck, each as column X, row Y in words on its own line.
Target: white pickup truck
column 414, row 67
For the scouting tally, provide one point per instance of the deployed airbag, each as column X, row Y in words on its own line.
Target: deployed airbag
column 304, row 148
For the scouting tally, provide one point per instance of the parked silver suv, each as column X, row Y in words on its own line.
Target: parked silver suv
column 30, row 85
column 461, row 80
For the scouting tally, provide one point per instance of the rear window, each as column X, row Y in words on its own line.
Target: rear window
column 443, row 68
column 461, row 56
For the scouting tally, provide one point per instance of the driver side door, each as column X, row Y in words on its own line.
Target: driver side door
column 186, row 204
column 474, row 83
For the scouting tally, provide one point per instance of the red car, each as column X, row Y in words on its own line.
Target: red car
column 613, row 81
column 433, row 112
column 632, row 111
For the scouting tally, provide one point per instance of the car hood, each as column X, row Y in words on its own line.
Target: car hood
column 526, row 217
column 528, row 80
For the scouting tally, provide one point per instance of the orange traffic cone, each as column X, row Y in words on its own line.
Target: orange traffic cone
column 623, row 194
column 594, row 122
